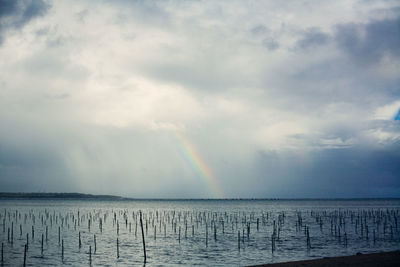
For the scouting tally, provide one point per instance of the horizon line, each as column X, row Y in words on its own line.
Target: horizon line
column 78, row 195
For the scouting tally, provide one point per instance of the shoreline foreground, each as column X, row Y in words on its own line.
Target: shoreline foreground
column 384, row 259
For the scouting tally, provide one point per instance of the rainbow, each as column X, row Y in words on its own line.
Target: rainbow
column 197, row 163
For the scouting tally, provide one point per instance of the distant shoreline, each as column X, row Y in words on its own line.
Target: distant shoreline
column 4, row 195
column 78, row 196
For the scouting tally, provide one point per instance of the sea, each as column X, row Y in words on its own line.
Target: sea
column 192, row 232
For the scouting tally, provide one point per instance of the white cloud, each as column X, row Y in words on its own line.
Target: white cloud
column 387, row 112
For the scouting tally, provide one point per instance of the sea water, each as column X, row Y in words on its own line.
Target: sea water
column 194, row 232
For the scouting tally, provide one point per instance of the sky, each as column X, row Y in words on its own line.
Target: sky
column 201, row 99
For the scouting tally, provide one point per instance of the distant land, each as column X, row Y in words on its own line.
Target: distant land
column 5, row 195
column 31, row 195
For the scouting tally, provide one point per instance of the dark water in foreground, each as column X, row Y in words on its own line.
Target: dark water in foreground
column 196, row 232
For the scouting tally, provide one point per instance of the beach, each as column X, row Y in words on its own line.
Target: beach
column 384, row 259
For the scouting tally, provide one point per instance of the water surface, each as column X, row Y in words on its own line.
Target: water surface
column 194, row 232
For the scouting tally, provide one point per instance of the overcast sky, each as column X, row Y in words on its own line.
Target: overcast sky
column 276, row 98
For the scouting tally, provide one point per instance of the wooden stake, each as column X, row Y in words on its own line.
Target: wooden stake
column 144, row 244
column 95, row 246
column 206, row 235
column 25, row 249
column 117, row 248
column 42, row 246
column 12, row 232
column 62, row 250
column 239, row 240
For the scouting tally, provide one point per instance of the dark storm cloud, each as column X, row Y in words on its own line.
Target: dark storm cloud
column 15, row 14
column 363, row 42
column 356, row 172
column 30, row 169
column 332, row 79
column 259, row 30
column 312, row 38
column 368, row 43
column 271, row 44
column 268, row 41
column 29, row 163
column 148, row 13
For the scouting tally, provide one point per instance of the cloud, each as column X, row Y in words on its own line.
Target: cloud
column 368, row 43
column 275, row 97
column 313, row 38
column 260, row 30
column 271, row 44
column 387, row 112
column 356, row 172
column 14, row 15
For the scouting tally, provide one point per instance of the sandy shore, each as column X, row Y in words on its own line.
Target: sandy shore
column 384, row 259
